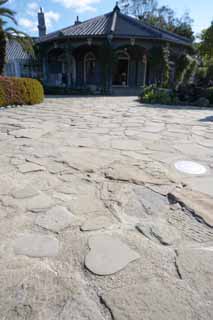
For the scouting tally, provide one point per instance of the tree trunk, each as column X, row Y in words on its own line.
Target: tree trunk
column 2, row 51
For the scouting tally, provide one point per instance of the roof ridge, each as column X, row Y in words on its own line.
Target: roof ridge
column 86, row 21
column 138, row 23
column 73, row 25
column 154, row 28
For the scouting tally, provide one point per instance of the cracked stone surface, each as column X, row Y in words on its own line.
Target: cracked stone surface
column 100, row 174
column 162, row 232
column 156, row 299
column 199, row 273
column 200, row 203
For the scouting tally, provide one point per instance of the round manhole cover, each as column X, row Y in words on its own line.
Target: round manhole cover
column 190, row 167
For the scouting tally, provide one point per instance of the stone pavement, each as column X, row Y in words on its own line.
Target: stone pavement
column 97, row 223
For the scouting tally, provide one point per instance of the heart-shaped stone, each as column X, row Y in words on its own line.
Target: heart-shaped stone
column 108, row 255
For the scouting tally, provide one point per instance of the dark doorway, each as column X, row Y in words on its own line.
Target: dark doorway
column 120, row 73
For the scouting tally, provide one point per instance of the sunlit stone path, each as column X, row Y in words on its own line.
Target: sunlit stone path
column 100, row 217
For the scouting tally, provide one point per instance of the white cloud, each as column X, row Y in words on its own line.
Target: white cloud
column 32, row 8
column 29, row 25
column 51, row 18
column 79, row 5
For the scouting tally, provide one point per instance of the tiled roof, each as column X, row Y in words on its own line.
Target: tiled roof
column 14, row 51
column 118, row 24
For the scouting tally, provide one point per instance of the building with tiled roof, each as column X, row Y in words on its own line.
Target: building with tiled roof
column 109, row 52
column 18, row 62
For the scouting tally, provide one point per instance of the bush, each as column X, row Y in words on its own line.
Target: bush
column 19, row 91
column 202, row 102
column 209, row 94
column 154, row 95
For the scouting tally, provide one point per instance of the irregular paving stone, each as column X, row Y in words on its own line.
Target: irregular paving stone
column 35, row 291
column 96, row 223
column 27, row 192
column 73, row 139
column 204, row 185
column 82, row 204
column 55, row 219
column 130, row 173
column 30, row 167
column 195, row 267
column 127, row 145
column 94, row 161
column 35, row 245
column 108, row 255
column 164, row 190
column 29, row 133
column 201, row 204
column 39, row 203
column 153, row 202
column 164, row 233
column 156, row 299
column 6, row 185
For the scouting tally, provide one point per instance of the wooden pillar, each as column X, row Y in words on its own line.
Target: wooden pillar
column 145, row 69
column 45, row 69
column 69, row 65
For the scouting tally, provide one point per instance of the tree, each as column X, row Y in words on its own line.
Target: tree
column 163, row 17
column 10, row 33
column 206, row 44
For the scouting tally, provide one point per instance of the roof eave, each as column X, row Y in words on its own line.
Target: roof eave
column 75, row 37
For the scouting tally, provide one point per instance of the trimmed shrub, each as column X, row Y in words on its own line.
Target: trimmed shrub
column 19, row 91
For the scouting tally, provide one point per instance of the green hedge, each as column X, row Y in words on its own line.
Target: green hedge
column 19, row 91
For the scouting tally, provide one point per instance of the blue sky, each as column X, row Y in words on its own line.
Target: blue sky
column 62, row 13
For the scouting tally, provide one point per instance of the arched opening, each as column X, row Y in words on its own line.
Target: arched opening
column 90, row 68
column 121, row 69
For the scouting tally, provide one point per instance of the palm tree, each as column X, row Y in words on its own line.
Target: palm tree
column 11, row 34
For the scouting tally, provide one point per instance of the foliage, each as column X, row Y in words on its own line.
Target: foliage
column 155, row 95
column 209, row 94
column 201, row 76
column 194, row 95
column 204, row 75
column 159, row 59
column 166, row 69
column 2, row 50
column 206, row 44
column 186, row 67
column 202, row 102
column 10, row 33
column 19, row 91
column 159, row 16
column 181, row 65
column 186, row 95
